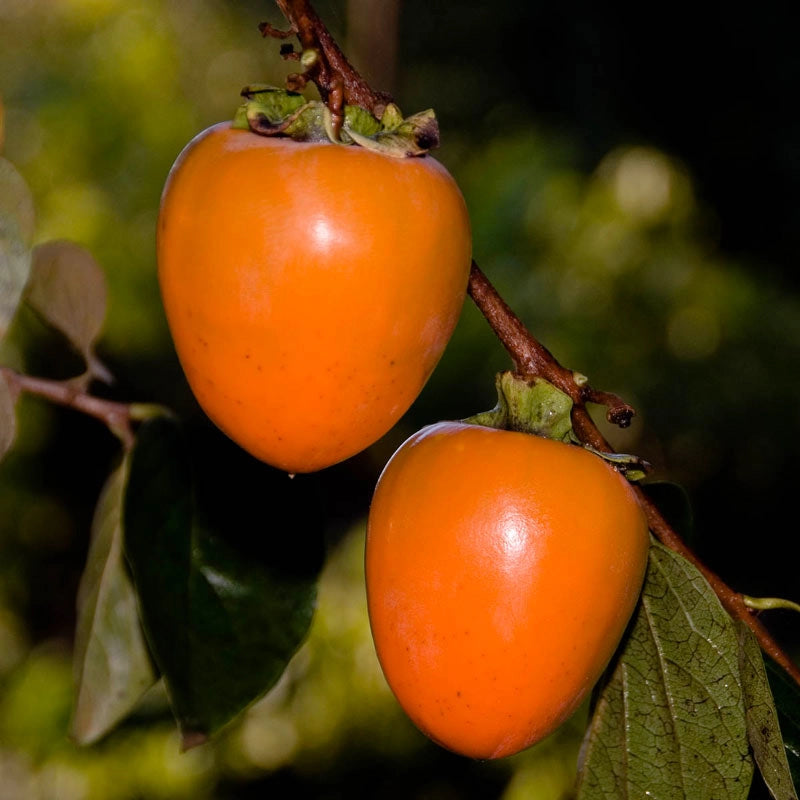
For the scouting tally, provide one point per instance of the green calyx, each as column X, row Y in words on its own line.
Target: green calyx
column 270, row 111
column 529, row 405
column 535, row 406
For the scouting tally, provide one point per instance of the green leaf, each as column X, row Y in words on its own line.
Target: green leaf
column 670, row 721
column 787, row 700
column 16, row 228
column 16, row 201
column 224, row 610
column 762, row 718
column 111, row 663
column 8, row 420
column 68, row 288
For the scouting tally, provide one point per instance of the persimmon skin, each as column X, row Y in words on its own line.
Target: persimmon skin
column 310, row 289
column 502, row 569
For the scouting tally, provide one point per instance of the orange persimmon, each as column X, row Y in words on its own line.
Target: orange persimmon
column 310, row 288
column 502, row 569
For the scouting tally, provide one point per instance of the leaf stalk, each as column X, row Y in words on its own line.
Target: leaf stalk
column 116, row 416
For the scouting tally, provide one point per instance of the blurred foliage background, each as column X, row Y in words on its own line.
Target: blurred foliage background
column 633, row 189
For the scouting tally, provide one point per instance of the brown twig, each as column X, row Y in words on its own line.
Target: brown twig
column 116, row 416
column 530, row 357
column 333, row 75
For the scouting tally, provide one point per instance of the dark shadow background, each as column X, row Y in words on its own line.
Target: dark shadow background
column 709, row 84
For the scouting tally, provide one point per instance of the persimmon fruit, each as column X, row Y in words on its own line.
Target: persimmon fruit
column 310, row 288
column 502, row 569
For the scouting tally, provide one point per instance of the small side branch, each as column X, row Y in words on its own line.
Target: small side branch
column 116, row 416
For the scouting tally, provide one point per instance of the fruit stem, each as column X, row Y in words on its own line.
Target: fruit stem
column 337, row 82
column 326, row 66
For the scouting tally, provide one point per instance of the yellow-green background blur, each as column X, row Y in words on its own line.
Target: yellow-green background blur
column 633, row 194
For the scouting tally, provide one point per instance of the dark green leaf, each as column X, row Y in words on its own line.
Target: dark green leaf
column 224, row 610
column 670, row 722
column 111, row 663
column 8, row 420
column 787, row 700
column 68, row 288
column 762, row 719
